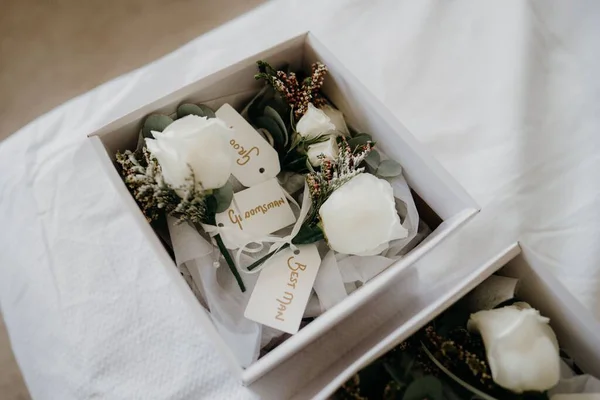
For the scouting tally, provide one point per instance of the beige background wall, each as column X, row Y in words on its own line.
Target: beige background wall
column 51, row 51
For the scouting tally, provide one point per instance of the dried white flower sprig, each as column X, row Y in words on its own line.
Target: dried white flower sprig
column 361, row 222
column 334, row 173
column 144, row 179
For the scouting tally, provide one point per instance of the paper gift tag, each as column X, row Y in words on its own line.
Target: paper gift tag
column 257, row 161
column 257, row 211
column 283, row 288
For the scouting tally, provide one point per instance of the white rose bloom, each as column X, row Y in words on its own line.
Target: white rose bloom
column 313, row 123
column 521, row 347
column 198, row 143
column 328, row 148
column 337, row 118
column 360, row 217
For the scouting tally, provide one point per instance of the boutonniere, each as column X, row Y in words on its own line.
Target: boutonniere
column 182, row 168
column 294, row 117
column 352, row 204
column 506, row 349
column 352, row 210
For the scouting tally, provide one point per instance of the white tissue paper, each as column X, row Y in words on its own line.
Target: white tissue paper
column 575, row 387
column 339, row 275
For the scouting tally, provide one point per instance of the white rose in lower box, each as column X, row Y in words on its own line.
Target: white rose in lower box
column 194, row 144
column 522, row 349
column 360, row 217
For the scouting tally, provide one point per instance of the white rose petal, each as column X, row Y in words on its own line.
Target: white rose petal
column 173, row 170
column 328, row 148
column 337, row 118
column 521, row 348
column 314, row 123
column 198, row 143
column 360, row 217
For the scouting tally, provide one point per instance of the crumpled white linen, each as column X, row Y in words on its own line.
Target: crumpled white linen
column 218, row 291
column 503, row 93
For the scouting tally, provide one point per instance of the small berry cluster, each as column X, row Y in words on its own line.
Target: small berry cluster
column 455, row 353
column 297, row 95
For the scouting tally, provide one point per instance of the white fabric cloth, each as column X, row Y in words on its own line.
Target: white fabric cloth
column 504, row 93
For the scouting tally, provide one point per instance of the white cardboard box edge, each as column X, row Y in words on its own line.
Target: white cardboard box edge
column 418, row 321
column 584, row 323
column 329, row 319
column 203, row 317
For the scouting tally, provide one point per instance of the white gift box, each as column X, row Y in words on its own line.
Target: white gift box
column 577, row 330
column 441, row 201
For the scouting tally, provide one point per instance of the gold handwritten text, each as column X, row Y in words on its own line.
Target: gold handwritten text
column 245, row 154
column 235, row 219
column 287, row 300
column 263, row 208
column 287, row 297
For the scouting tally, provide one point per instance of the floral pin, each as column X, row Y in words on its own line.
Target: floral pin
column 182, row 169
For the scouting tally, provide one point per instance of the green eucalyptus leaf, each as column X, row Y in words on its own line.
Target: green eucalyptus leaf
column 388, row 169
column 208, row 112
column 223, row 195
column 273, row 128
column 266, row 135
column 280, row 105
column 155, row 122
column 353, row 132
column 373, row 159
column 252, row 103
column 359, row 140
column 274, row 115
column 427, row 387
column 256, row 109
column 298, row 164
column 189, row 109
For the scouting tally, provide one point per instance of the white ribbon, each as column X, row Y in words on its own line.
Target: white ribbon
column 241, row 240
column 279, row 242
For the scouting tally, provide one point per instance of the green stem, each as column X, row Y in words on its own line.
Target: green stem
column 265, row 258
column 308, row 234
column 230, row 262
